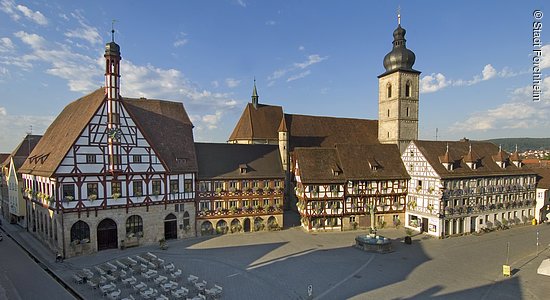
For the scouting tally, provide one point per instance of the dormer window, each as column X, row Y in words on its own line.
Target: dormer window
column 336, row 172
column 243, row 168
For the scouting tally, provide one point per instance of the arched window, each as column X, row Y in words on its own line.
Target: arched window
column 134, row 226
column 186, row 219
column 388, row 90
column 408, row 89
column 79, row 231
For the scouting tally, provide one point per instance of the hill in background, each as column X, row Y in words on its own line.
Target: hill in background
column 509, row 144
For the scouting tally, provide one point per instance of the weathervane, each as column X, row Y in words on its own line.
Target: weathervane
column 399, row 15
column 113, row 30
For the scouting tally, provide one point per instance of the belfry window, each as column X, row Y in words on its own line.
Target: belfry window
column 389, row 90
column 408, row 89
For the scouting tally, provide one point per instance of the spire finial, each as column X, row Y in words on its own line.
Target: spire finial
column 447, row 148
column 516, row 148
column 470, row 147
column 399, row 15
column 113, row 30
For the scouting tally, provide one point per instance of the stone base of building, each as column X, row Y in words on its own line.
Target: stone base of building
column 159, row 222
column 234, row 224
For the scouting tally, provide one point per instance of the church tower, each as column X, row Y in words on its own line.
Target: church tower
column 112, row 91
column 398, row 90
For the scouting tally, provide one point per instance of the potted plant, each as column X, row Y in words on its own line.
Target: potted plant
column 408, row 238
column 69, row 198
column 116, row 196
column 92, row 197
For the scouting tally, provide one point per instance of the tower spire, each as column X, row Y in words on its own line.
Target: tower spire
column 255, row 95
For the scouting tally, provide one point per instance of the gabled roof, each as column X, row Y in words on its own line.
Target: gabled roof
column 486, row 151
column 224, row 161
column 377, row 161
column 22, row 151
column 317, row 165
column 317, row 131
column 167, row 127
column 164, row 124
column 62, row 133
column 258, row 123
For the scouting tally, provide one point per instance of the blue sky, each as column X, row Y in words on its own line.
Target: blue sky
column 311, row 57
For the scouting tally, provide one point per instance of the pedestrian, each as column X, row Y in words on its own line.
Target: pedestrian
column 58, row 257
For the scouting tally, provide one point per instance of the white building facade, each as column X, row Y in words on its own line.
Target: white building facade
column 463, row 187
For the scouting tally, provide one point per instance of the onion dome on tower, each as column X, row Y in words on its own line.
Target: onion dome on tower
column 400, row 58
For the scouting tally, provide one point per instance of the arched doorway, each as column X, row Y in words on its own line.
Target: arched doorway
column 107, row 237
column 170, row 227
column 246, row 225
column 235, row 226
column 221, row 227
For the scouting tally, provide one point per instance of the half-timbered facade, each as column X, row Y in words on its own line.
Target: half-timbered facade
column 350, row 186
column 240, row 188
column 465, row 186
column 112, row 172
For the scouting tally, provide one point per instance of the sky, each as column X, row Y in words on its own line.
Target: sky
column 311, row 57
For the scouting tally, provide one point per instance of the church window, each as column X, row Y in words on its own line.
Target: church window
column 389, row 90
column 408, row 89
column 407, row 112
column 388, row 134
column 388, row 112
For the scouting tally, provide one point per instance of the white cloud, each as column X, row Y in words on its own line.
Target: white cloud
column 35, row 16
column 6, row 45
column 14, row 127
column 301, row 48
column 298, row 76
column 519, row 113
column 433, row 83
column 82, row 72
column 311, row 60
column 4, row 73
column 215, row 83
column 488, row 72
column 181, row 39
column 85, row 31
column 8, row 6
column 241, row 3
column 270, row 23
column 232, row 82
column 31, row 39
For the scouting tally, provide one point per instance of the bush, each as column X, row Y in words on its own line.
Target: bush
column 396, row 223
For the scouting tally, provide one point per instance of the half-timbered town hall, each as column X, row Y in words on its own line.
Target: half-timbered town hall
column 112, row 171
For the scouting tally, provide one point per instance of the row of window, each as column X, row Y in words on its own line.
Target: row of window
column 220, row 204
column 407, row 89
column 68, row 190
column 136, row 158
column 210, row 186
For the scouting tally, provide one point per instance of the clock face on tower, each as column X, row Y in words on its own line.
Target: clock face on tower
column 114, row 133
